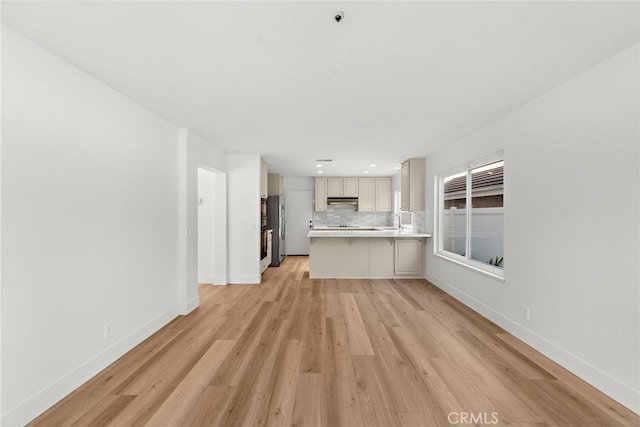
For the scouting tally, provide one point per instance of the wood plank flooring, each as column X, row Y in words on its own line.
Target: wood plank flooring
column 302, row 352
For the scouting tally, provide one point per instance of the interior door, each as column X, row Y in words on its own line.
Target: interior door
column 299, row 218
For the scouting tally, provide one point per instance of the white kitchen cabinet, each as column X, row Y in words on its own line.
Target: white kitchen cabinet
column 342, row 187
column 404, row 186
column 339, row 257
column 365, row 257
column 276, row 185
column 334, row 187
column 374, row 194
column 264, row 180
column 366, row 194
column 321, row 195
column 350, row 187
column 408, row 257
column 381, row 256
column 383, row 194
column 412, row 185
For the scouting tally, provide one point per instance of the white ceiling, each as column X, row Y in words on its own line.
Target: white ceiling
column 392, row 80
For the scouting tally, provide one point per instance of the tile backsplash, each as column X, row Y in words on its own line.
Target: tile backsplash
column 419, row 221
column 349, row 215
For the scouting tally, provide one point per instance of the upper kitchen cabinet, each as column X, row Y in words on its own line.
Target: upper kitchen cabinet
column 321, row 195
column 366, row 194
column 374, row 194
column 350, row 187
column 412, row 185
column 276, row 185
column 334, row 187
column 383, row 194
column 264, row 180
column 342, row 187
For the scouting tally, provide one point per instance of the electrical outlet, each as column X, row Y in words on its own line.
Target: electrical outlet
column 108, row 329
column 525, row 312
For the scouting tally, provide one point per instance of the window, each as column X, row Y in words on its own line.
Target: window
column 471, row 215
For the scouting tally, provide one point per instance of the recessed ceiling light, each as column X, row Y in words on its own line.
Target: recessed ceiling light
column 365, row 171
column 318, row 165
column 372, row 165
column 396, row 168
column 320, row 172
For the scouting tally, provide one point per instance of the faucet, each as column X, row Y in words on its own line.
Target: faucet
column 399, row 220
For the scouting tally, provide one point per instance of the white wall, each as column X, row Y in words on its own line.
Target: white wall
column 298, row 183
column 206, row 225
column 243, row 174
column 220, row 246
column 395, row 182
column 89, row 219
column 194, row 152
column 574, row 150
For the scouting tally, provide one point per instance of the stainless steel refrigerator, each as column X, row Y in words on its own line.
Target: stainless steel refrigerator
column 276, row 222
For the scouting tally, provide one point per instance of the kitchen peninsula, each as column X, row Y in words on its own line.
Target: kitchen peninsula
column 365, row 253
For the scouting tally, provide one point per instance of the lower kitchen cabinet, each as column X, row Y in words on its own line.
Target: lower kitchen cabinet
column 362, row 258
column 381, row 258
column 346, row 258
column 408, row 257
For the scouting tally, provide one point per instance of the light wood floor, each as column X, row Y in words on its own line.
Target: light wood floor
column 295, row 351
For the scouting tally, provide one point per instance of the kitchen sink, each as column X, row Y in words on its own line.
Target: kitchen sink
column 358, row 229
column 348, row 228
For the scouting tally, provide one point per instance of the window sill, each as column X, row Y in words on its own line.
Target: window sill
column 494, row 273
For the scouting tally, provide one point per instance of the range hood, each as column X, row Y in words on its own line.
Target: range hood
column 342, row 200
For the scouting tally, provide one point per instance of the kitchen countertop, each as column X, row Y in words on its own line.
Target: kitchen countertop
column 364, row 232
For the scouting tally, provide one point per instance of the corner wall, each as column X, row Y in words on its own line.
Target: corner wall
column 194, row 151
column 89, row 220
column 571, row 225
column 243, row 173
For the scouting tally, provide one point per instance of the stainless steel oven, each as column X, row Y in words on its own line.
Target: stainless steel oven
column 264, row 241
column 263, row 213
column 277, row 223
column 263, row 227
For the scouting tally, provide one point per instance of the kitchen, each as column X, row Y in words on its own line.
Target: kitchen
column 357, row 227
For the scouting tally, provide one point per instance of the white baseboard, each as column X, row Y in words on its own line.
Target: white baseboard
column 220, row 280
column 205, row 279
column 50, row 395
column 212, row 280
column 604, row 382
column 185, row 308
column 246, row 280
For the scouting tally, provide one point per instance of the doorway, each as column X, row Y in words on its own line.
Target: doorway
column 299, row 213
